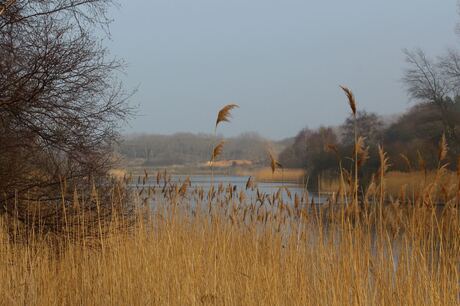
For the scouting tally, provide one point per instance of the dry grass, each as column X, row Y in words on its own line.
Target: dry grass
column 217, row 151
column 274, row 163
column 351, row 99
column 117, row 173
column 233, row 253
column 410, row 184
column 224, row 114
column 286, row 175
column 413, row 183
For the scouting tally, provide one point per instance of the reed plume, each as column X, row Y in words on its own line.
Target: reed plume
column 296, row 201
column 274, row 164
column 224, row 114
column 384, row 162
column 407, row 161
column 249, row 183
column 362, row 152
column 184, row 187
column 384, row 165
column 351, row 99
column 442, row 150
column 242, row 196
column 352, row 103
column 217, row 150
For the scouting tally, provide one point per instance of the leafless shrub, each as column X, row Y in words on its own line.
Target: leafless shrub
column 60, row 101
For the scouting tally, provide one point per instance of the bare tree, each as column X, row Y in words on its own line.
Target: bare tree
column 60, row 101
column 436, row 82
column 369, row 125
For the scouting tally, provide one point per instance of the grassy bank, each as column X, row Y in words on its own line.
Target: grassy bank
column 261, row 174
column 284, row 175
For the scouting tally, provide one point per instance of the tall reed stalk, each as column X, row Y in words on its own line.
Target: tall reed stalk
column 352, row 104
column 224, row 115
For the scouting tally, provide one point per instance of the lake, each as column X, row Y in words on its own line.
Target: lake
column 288, row 190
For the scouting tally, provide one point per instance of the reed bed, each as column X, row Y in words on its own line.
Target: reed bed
column 407, row 183
column 225, row 246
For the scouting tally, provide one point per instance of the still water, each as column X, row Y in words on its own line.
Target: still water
column 288, row 190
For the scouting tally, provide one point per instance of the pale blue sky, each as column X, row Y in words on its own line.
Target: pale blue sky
column 281, row 61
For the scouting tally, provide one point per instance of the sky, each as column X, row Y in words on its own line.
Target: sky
column 281, row 61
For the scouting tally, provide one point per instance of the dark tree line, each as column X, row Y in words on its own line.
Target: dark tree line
column 415, row 135
column 192, row 149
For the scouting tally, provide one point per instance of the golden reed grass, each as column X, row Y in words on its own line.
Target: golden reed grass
column 218, row 149
column 224, row 114
column 274, row 163
column 351, row 99
column 240, row 252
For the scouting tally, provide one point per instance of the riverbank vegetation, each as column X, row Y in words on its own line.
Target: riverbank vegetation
column 168, row 242
column 225, row 246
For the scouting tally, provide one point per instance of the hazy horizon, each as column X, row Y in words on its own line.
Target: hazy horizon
column 281, row 62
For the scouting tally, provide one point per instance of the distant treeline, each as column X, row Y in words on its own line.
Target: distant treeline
column 191, row 149
column 411, row 141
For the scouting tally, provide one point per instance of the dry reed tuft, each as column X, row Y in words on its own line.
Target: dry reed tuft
column 218, row 149
column 274, row 163
column 384, row 162
column 224, row 114
column 443, row 148
column 407, row 161
column 351, row 99
column 361, row 151
column 249, row 183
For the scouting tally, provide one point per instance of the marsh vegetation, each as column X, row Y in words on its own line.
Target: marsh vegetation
column 374, row 218
column 232, row 244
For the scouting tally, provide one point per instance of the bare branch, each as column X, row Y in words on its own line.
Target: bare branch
column 60, row 100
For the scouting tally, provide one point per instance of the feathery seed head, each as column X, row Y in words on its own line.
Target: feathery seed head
column 351, row 99
column 217, row 150
column 224, row 114
column 442, row 150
